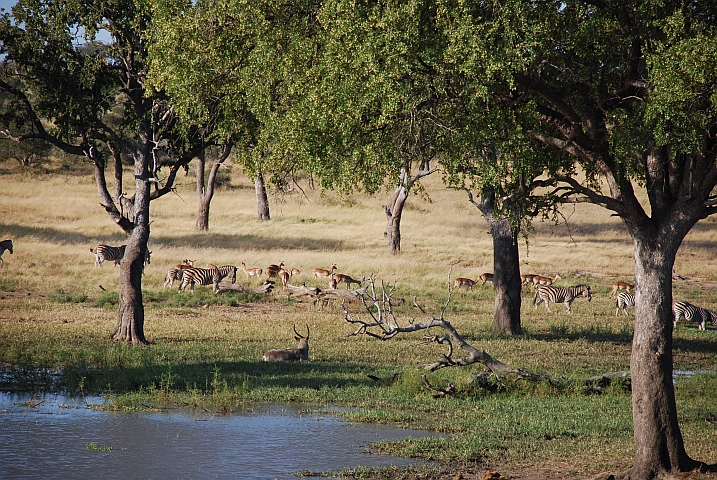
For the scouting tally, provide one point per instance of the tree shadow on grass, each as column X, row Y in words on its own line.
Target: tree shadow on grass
column 199, row 240
column 206, row 376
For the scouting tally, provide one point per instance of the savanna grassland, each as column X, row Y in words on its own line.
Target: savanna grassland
column 57, row 311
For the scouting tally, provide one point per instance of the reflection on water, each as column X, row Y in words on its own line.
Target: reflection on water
column 51, row 441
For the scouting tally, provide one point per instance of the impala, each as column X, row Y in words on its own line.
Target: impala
column 320, row 272
column 464, row 282
column 273, row 270
column 251, row 272
column 284, row 276
column 617, row 286
column 539, row 281
column 301, row 353
column 347, row 280
column 486, row 277
column 527, row 278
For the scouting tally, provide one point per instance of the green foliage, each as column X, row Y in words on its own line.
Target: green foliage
column 62, row 297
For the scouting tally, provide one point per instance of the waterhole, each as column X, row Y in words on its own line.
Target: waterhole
column 61, row 437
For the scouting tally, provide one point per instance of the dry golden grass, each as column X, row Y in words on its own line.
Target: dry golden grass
column 56, row 219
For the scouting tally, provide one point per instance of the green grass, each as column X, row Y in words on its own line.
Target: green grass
column 58, row 311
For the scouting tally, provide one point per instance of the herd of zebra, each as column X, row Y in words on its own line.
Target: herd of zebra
column 545, row 292
column 624, row 299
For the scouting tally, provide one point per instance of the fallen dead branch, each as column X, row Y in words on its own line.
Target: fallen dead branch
column 225, row 286
column 381, row 323
column 303, row 292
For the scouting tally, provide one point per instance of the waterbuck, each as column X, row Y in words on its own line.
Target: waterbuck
column 301, row 353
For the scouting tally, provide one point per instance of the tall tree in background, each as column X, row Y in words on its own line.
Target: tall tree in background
column 626, row 90
column 93, row 103
column 243, row 56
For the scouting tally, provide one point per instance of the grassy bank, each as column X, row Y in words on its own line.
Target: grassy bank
column 55, row 320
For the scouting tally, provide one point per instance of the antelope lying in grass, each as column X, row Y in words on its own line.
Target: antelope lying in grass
column 301, row 353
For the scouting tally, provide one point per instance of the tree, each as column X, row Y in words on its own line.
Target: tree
column 93, row 103
column 205, row 192
column 626, row 90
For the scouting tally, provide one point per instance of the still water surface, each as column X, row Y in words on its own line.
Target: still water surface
column 265, row 442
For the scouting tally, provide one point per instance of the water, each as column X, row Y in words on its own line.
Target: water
column 51, row 441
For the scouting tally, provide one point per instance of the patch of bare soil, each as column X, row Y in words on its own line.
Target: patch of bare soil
column 19, row 294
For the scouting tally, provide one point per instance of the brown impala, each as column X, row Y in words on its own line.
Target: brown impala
column 301, row 353
column 486, row 277
column 464, row 282
column 320, row 272
column 273, row 270
column 347, row 280
column 251, row 272
column 539, row 281
column 620, row 286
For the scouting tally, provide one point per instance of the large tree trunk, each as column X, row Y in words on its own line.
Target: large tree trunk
column 506, row 265
column 506, row 277
column 130, row 317
column 659, row 446
column 262, row 201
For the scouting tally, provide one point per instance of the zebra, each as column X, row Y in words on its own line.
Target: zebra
column 205, row 276
column 624, row 300
column 172, row 275
column 565, row 295
column 106, row 252
column 5, row 245
column 693, row 313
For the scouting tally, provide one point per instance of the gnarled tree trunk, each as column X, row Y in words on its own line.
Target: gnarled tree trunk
column 262, row 201
column 395, row 210
column 130, row 317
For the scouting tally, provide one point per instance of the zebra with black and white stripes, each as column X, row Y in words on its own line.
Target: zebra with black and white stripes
column 5, row 245
column 692, row 313
column 564, row 295
column 107, row 253
column 207, row 276
column 172, row 275
column 624, row 300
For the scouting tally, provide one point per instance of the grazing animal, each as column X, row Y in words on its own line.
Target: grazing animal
column 693, row 313
column 300, row 353
column 185, row 264
column 251, row 272
column 284, row 276
column 174, row 274
column 564, row 295
column 527, row 278
column 320, row 272
column 206, row 276
column 347, row 280
column 333, row 283
column 464, row 282
column 5, row 245
column 486, row 277
column 273, row 270
column 617, row 286
column 294, row 271
column 544, row 281
column 624, row 300
column 106, row 253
